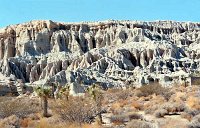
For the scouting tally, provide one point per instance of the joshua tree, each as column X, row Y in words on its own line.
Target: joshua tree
column 64, row 92
column 96, row 94
column 184, row 79
column 44, row 93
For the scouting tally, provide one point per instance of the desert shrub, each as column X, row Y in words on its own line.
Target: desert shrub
column 178, row 97
column 122, row 118
column 76, row 110
column 193, row 102
column 134, row 116
column 118, row 94
column 160, row 113
column 154, row 100
column 19, row 107
column 138, row 93
column 137, row 105
column 25, row 122
column 10, row 122
column 151, row 110
column 44, row 123
column 154, row 104
column 195, row 123
column 167, row 108
column 139, row 124
column 155, row 88
column 119, row 119
column 174, row 107
column 116, row 107
column 123, row 94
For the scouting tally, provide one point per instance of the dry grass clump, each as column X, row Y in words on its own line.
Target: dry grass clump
column 137, row 105
column 19, row 107
column 122, row 118
column 119, row 106
column 119, row 119
column 179, row 87
column 118, row 94
column 193, row 102
column 154, row 104
column 178, row 97
column 151, row 109
column 123, row 94
column 44, row 123
column 139, row 124
column 160, row 113
column 155, row 88
column 116, row 107
column 155, row 100
column 76, row 110
column 30, row 121
column 10, row 122
column 165, row 109
column 25, row 122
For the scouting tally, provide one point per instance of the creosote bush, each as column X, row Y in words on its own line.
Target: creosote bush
column 118, row 94
column 174, row 107
column 76, row 110
column 155, row 88
column 193, row 102
column 152, row 109
column 123, row 94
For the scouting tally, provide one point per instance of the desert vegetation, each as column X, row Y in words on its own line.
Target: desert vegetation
column 146, row 107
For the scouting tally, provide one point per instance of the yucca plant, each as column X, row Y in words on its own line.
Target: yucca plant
column 96, row 94
column 64, row 92
column 44, row 93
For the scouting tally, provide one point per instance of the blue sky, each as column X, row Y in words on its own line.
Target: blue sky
column 18, row 11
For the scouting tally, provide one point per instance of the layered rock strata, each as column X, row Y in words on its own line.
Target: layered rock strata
column 112, row 53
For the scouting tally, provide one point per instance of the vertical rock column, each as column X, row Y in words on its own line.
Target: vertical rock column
column 9, row 48
column 1, row 48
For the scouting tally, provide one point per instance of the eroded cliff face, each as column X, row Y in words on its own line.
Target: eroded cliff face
column 110, row 52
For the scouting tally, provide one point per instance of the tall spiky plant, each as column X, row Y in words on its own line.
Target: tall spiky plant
column 64, row 92
column 96, row 94
column 44, row 93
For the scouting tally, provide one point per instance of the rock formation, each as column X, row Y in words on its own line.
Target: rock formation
column 112, row 53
